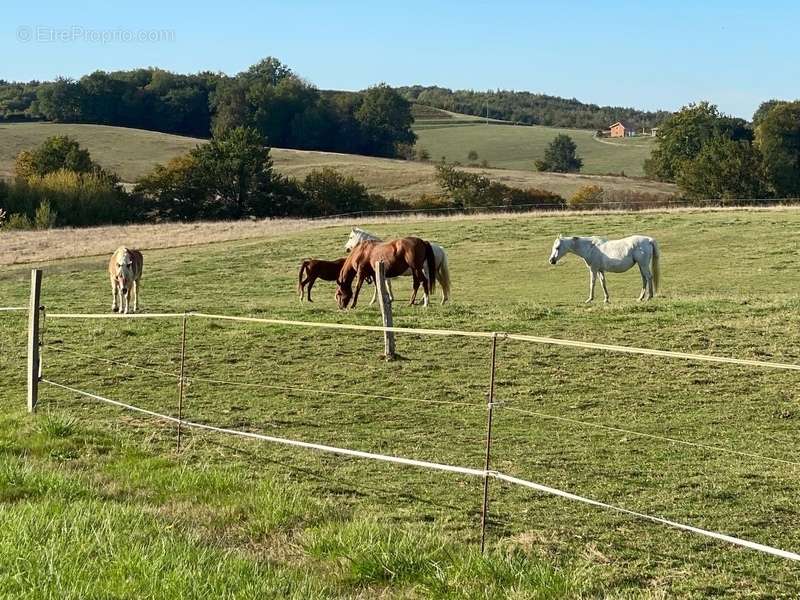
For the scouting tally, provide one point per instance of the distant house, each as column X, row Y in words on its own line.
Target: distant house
column 654, row 131
column 622, row 129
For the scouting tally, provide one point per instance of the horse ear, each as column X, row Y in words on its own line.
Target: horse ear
column 560, row 236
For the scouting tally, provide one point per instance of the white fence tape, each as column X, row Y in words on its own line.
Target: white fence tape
column 443, row 467
column 447, row 332
column 13, row 308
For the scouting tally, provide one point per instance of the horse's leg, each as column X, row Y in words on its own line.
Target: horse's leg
column 135, row 293
column 375, row 291
column 114, row 296
column 647, row 282
column 426, row 291
column 602, row 277
column 311, row 280
column 592, row 275
column 416, row 288
column 389, row 288
column 644, row 284
column 362, row 275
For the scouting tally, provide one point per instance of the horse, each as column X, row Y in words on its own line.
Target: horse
column 440, row 259
column 399, row 256
column 313, row 269
column 125, row 272
column 615, row 256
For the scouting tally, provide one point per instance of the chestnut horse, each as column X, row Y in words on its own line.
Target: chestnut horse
column 398, row 256
column 312, row 269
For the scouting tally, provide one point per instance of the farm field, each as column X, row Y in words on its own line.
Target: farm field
column 95, row 501
column 133, row 152
column 518, row 147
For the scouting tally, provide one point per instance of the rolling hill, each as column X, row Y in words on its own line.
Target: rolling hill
column 133, row 152
column 509, row 146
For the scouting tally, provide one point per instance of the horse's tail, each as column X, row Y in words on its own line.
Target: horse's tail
column 656, row 268
column 303, row 269
column 431, row 260
column 443, row 274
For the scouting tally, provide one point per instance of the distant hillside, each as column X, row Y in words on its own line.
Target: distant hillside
column 133, row 152
column 505, row 145
column 530, row 108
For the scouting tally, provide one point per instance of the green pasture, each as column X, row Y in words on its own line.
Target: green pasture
column 97, row 502
column 518, row 147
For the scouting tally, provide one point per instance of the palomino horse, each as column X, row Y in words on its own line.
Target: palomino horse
column 440, row 259
column 313, row 269
column 399, row 256
column 615, row 256
column 125, row 272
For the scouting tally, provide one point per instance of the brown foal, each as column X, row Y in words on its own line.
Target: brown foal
column 313, row 269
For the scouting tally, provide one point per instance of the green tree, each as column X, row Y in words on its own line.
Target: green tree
column 329, row 192
column 235, row 172
column 725, row 169
column 57, row 153
column 385, row 119
column 173, row 191
column 680, row 138
column 763, row 109
column 269, row 70
column 60, row 100
column 560, row 156
column 778, row 138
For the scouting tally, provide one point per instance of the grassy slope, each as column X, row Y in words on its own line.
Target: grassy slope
column 263, row 518
column 132, row 152
column 517, row 147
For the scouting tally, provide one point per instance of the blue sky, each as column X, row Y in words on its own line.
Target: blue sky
column 642, row 54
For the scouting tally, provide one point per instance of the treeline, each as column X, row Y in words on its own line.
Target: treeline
column 712, row 155
column 530, row 108
column 269, row 97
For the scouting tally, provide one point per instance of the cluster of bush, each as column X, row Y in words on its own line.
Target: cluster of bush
column 285, row 109
column 594, row 197
column 466, row 190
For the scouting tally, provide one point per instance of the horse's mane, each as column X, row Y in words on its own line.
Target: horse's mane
column 363, row 233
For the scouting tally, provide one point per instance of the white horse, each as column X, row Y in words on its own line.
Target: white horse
column 615, row 256
column 440, row 258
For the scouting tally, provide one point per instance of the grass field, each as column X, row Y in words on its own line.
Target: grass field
column 133, row 152
column 518, row 147
column 97, row 502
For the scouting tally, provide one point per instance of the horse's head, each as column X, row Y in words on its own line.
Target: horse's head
column 560, row 247
column 344, row 293
column 123, row 265
column 357, row 236
column 353, row 240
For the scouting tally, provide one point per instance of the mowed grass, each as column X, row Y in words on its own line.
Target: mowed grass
column 518, row 147
column 133, row 152
column 81, row 479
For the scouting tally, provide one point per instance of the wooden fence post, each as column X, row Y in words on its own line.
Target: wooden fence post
column 490, row 407
column 33, row 339
column 386, row 309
